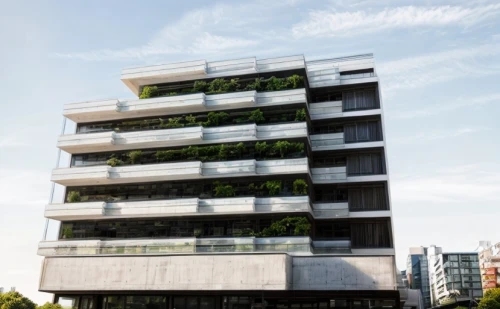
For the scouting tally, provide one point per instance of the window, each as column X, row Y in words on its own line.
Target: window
column 365, row 164
column 145, row 302
column 359, row 99
column 113, row 302
column 367, row 198
column 194, row 302
column 367, row 131
column 68, row 301
column 370, row 234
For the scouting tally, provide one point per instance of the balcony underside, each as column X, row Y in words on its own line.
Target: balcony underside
column 217, row 272
column 191, row 103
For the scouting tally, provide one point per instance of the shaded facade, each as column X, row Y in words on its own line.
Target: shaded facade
column 417, row 273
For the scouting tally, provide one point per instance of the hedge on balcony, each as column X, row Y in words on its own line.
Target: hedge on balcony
column 221, row 85
column 222, row 152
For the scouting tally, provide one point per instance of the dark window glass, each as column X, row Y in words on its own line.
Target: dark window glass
column 375, row 234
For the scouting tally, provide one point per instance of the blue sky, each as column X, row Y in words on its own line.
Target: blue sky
column 439, row 64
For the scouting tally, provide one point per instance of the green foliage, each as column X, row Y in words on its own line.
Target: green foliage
column 488, row 303
column 15, row 300
column 299, row 226
column 216, row 119
column 220, row 85
column 191, row 120
column 272, row 186
column 190, row 153
column 149, row 92
column 493, row 293
column 300, row 115
column 257, row 85
column 164, row 155
column 299, row 187
column 48, row 305
column 282, row 147
column 256, row 116
column 174, row 122
column 261, row 147
column 295, row 81
column 73, row 197
column 221, row 190
column 200, row 86
column 114, row 162
column 67, row 232
column 134, row 156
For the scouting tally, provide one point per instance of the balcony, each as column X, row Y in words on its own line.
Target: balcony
column 339, row 175
column 327, row 73
column 112, row 141
column 195, row 206
column 173, row 246
column 137, row 77
column 335, row 141
column 334, row 109
column 97, row 175
column 189, row 103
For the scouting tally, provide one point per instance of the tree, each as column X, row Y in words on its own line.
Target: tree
column 491, row 299
column 15, row 300
column 48, row 305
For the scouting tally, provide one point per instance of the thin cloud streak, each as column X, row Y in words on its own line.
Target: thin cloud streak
column 435, row 135
column 321, row 23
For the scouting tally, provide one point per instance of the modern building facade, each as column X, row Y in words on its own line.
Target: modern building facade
column 489, row 263
column 417, row 273
column 249, row 183
column 454, row 277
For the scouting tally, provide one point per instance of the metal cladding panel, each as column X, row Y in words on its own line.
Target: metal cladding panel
column 181, row 273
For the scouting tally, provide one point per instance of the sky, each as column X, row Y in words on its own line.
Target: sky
column 438, row 62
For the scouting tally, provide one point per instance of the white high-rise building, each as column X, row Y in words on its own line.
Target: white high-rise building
column 248, row 183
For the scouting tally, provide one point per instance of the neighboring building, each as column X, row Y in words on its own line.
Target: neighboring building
column 489, row 263
column 454, row 277
column 268, row 189
column 404, row 279
column 417, row 273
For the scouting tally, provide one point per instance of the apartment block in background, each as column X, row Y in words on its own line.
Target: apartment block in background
column 454, row 277
column 489, row 263
column 417, row 273
column 248, row 183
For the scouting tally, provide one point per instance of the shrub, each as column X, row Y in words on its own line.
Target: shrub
column 282, row 147
column 488, row 303
column 174, row 122
column 114, row 162
column 299, row 187
column 148, row 92
column 165, row 155
column 200, row 86
column 221, row 190
column 255, row 85
column 67, row 232
column 299, row 226
column 134, row 156
column 15, row 300
column 216, row 119
column 217, row 86
column 190, row 153
column 275, row 83
column 191, row 120
column 256, row 116
column 295, row 81
column 272, row 186
column 300, row 115
column 223, row 152
column 73, row 197
column 261, row 147
column 48, row 305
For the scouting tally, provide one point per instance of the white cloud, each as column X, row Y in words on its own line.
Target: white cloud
column 435, row 109
column 322, row 23
column 419, row 71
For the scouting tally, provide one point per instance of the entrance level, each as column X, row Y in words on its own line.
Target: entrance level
column 228, row 300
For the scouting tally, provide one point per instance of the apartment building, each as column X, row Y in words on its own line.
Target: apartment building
column 454, row 277
column 417, row 273
column 489, row 264
column 248, row 183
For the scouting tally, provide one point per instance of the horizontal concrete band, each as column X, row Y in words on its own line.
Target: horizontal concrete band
column 217, row 272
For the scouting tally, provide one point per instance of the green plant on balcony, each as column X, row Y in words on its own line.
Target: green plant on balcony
column 134, row 156
column 256, row 85
column 221, row 190
column 165, row 155
column 216, row 119
column 149, row 92
column 220, row 85
column 73, row 197
column 299, row 187
column 256, row 116
column 223, row 152
column 67, row 232
column 191, row 120
column 200, row 86
column 113, row 161
column 300, row 115
column 295, row 81
column 298, row 226
column 174, row 122
column 190, row 153
column 261, row 147
column 282, row 147
column 272, row 186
